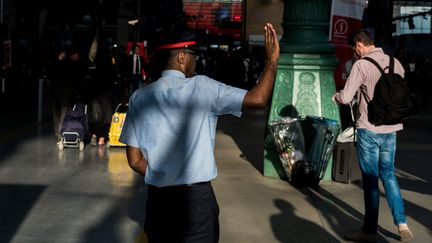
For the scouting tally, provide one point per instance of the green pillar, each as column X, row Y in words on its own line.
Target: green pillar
column 304, row 80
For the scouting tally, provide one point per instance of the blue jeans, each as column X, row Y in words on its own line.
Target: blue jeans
column 376, row 153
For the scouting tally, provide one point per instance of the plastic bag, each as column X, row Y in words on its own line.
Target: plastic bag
column 348, row 135
column 289, row 140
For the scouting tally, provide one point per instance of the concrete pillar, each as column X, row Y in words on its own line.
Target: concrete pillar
column 305, row 81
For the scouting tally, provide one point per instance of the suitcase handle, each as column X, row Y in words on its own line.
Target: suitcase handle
column 342, row 162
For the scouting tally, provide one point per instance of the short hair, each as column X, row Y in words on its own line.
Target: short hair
column 134, row 46
column 362, row 36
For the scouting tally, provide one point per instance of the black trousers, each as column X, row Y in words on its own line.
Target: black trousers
column 183, row 214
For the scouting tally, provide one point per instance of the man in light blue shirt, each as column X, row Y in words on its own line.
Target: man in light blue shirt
column 170, row 131
column 174, row 122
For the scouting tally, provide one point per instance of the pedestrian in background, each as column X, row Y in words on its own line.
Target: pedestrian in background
column 99, row 93
column 376, row 145
column 67, row 74
column 135, row 69
column 170, row 132
column 56, row 74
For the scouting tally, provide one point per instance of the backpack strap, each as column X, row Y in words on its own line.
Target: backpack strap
column 391, row 70
column 391, row 65
column 376, row 64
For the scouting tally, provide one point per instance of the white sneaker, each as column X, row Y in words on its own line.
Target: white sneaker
column 405, row 235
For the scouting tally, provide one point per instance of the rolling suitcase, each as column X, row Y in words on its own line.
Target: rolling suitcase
column 346, row 168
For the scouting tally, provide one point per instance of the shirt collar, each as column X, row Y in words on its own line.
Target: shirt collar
column 375, row 50
column 173, row 73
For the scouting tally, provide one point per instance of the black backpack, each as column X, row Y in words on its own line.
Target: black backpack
column 391, row 103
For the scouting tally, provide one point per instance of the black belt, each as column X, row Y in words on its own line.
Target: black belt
column 183, row 185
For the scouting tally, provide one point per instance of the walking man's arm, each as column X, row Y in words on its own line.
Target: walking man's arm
column 136, row 159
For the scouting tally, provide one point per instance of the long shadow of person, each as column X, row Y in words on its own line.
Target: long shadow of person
column 341, row 216
column 288, row 227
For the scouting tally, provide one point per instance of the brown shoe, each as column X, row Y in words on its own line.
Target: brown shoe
column 405, row 235
column 360, row 236
column 101, row 141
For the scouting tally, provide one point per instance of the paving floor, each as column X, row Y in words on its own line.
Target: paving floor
column 47, row 195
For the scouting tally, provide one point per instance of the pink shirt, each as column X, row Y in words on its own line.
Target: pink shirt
column 364, row 75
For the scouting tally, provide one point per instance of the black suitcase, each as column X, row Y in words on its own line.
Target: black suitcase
column 346, row 168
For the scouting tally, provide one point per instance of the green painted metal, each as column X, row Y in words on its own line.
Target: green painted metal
column 306, row 24
column 304, row 80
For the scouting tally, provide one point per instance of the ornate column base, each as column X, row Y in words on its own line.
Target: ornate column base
column 304, row 86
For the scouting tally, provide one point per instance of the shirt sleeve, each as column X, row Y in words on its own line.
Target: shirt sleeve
column 226, row 99
column 352, row 85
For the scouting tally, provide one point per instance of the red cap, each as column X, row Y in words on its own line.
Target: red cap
column 184, row 44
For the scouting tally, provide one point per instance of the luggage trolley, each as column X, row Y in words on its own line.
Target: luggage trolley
column 74, row 128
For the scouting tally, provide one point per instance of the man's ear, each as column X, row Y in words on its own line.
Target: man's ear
column 181, row 57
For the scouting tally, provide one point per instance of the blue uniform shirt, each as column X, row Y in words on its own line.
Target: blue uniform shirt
column 173, row 122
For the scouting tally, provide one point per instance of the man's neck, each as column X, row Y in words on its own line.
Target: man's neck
column 369, row 48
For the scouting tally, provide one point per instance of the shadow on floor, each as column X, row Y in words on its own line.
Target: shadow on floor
column 16, row 201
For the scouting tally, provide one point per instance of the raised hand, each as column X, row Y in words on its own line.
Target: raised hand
column 271, row 43
column 259, row 95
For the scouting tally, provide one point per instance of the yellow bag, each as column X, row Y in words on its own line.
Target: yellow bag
column 117, row 122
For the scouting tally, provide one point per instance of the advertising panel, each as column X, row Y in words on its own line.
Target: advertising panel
column 346, row 18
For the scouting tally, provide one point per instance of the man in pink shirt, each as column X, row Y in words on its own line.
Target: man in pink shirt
column 376, row 145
